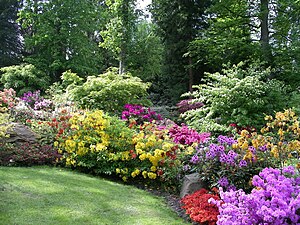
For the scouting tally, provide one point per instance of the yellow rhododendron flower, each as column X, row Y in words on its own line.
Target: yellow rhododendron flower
column 244, row 133
column 153, row 168
column 142, row 157
column 145, row 173
column 118, row 170
column 189, row 150
column 152, row 175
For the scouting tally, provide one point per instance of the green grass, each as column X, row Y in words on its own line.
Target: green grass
column 43, row 195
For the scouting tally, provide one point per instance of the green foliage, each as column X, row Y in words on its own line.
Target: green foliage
column 110, row 92
column 4, row 118
column 145, row 58
column 236, row 96
column 178, row 24
column 61, row 35
column 23, row 78
column 119, row 29
column 228, row 37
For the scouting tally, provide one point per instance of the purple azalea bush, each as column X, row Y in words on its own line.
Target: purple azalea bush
column 275, row 200
column 218, row 160
column 31, row 97
column 36, row 101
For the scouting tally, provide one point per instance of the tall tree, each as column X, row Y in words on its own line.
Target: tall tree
column 230, row 37
column 120, row 25
column 250, row 31
column 10, row 38
column 179, row 23
column 61, row 35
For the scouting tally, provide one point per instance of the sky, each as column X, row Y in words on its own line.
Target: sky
column 143, row 3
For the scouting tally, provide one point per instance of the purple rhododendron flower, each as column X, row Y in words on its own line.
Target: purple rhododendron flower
column 274, row 200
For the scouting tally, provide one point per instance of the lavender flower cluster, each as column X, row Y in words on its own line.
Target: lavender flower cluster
column 275, row 200
column 35, row 101
column 222, row 152
column 31, row 97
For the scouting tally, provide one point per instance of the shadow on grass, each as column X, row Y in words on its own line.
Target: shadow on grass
column 43, row 195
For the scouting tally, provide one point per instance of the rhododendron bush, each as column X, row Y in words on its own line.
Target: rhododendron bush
column 198, row 207
column 231, row 161
column 274, row 200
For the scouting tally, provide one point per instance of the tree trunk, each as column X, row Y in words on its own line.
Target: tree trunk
column 191, row 75
column 122, row 63
column 264, row 27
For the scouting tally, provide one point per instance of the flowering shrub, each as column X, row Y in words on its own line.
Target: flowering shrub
column 186, row 136
column 274, row 200
column 188, row 104
column 198, row 207
column 231, row 162
column 284, row 134
column 94, row 141
column 31, row 98
column 36, row 101
column 138, row 114
column 27, row 154
column 53, row 128
column 7, row 99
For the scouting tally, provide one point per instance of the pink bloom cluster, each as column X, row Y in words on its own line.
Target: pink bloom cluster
column 187, row 136
column 7, row 98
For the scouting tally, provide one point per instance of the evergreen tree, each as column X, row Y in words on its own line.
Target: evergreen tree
column 10, row 38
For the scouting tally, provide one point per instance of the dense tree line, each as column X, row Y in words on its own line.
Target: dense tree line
column 185, row 39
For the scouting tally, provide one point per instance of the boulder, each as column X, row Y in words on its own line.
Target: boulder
column 191, row 183
column 20, row 133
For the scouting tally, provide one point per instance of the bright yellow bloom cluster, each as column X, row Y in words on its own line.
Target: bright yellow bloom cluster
column 280, row 135
column 87, row 135
column 285, row 133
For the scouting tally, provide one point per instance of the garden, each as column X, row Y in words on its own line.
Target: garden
column 105, row 127
column 150, row 112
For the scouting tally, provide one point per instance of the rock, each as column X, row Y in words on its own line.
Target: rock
column 191, row 183
column 20, row 133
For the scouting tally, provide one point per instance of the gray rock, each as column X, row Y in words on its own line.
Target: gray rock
column 191, row 183
column 20, row 133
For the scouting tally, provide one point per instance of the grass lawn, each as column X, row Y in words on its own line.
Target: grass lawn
column 43, row 195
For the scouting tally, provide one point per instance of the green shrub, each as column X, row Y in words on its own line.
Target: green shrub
column 23, row 78
column 236, row 96
column 109, row 91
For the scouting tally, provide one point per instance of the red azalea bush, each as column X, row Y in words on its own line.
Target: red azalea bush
column 27, row 154
column 197, row 206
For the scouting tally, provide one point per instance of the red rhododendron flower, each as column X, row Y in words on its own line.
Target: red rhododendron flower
column 197, row 206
